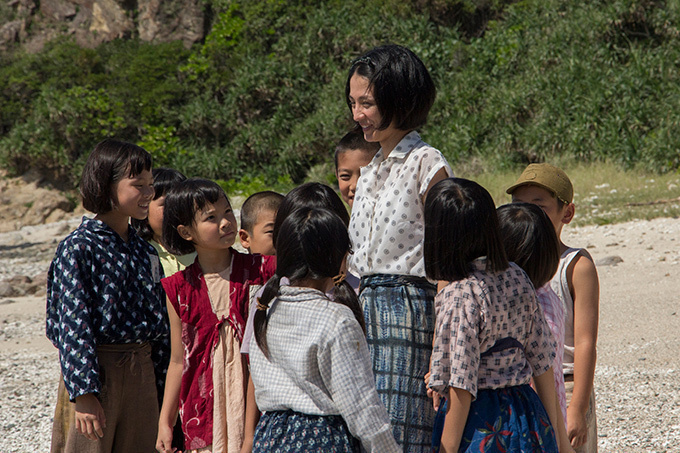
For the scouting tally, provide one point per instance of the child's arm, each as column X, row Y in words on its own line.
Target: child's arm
column 545, row 387
column 252, row 417
column 168, row 415
column 585, row 290
column 456, row 417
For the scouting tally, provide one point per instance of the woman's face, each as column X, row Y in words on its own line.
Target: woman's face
column 365, row 112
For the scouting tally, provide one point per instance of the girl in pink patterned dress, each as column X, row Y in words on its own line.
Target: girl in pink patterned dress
column 531, row 243
column 491, row 337
column 207, row 307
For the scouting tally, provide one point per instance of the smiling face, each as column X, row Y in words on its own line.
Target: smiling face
column 133, row 194
column 214, row 227
column 348, row 171
column 367, row 115
column 156, row 217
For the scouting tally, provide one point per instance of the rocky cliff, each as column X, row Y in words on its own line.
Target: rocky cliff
column 31, row 23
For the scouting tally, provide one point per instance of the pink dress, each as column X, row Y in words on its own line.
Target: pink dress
column 554, row 313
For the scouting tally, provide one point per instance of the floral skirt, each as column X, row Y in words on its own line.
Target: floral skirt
column 290, row 431
column 511, row 419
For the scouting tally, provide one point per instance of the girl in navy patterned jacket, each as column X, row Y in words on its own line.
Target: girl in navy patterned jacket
column 105, row 312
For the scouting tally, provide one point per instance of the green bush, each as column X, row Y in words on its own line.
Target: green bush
column 261, row 100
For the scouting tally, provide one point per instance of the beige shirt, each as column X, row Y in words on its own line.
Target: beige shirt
column 229, row 378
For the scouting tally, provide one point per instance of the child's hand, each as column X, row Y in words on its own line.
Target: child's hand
column 577, row 428
column 90, row 418
column 164, row 439
column 431, row 393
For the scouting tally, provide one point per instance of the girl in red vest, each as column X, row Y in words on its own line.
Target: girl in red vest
column 207, row 307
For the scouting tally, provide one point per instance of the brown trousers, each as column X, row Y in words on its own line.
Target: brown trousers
column 128, row 398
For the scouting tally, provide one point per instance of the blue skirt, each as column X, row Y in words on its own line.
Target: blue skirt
column 399, row 314
column 511, row 419
column 290, row 431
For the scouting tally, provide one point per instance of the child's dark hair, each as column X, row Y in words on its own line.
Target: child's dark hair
column 402, row 87
column 460, row 225
column 110, row 162
column 354, row 139
column 530, row 240
column 261, row 201
column 182, row 202
column 163, row 179
column 312, row 195
column 312, row 244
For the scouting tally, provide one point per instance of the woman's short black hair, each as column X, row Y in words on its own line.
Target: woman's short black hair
column 110, row 162
column 402, row 87
column 312, row 244
column 182, row 202
column 313, row 195
column 460, row 225
column 163, row 179
column 530, row 240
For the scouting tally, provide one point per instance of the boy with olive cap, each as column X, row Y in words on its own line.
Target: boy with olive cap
column 577, row 285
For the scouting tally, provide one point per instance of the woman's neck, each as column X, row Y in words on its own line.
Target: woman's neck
column 214, row 260
column 389, row 143
column 116, row 221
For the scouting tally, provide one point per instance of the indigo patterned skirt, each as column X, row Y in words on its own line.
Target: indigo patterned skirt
column 511, row 419
column 399, row 313
column 290, row 431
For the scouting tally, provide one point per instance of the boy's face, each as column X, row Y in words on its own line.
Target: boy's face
column 260, row 240
column 546, row 201
column 348, row 171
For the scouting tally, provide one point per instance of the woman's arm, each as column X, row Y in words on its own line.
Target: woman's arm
column 456, row 417
column 168, row 415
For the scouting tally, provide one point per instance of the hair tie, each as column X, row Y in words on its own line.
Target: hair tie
column 261, row 306
column 338, row 279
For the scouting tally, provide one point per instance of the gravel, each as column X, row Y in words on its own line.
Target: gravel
column 637, row 380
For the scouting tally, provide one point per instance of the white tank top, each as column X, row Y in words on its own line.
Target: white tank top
column 560, row 285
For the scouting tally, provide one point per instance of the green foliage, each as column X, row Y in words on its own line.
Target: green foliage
column 261, row 101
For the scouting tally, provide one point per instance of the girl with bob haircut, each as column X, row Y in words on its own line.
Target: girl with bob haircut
column 389, row 93
column 491, row 336
column 105, row 312
column 530, row 242
column 310, row 363
column 207, row 307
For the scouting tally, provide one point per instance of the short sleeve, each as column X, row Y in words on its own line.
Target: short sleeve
column 540, row 348
column 432, row 162
column 456, row 352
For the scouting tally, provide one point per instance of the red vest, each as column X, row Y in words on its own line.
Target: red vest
column 188, row 294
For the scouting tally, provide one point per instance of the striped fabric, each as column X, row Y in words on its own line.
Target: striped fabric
column 399, row 313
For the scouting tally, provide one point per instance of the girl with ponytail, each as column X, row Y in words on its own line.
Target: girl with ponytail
column 309, row 360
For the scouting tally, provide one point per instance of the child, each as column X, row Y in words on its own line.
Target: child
column 389, row 92
column 310, row 362
column 151, row 229
column 491, row 336
column 207, row 306
column 531, row 243
column 257, row 222
column 105, row 311
column 312, row 195
column 577, row 285
column 351, row 155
